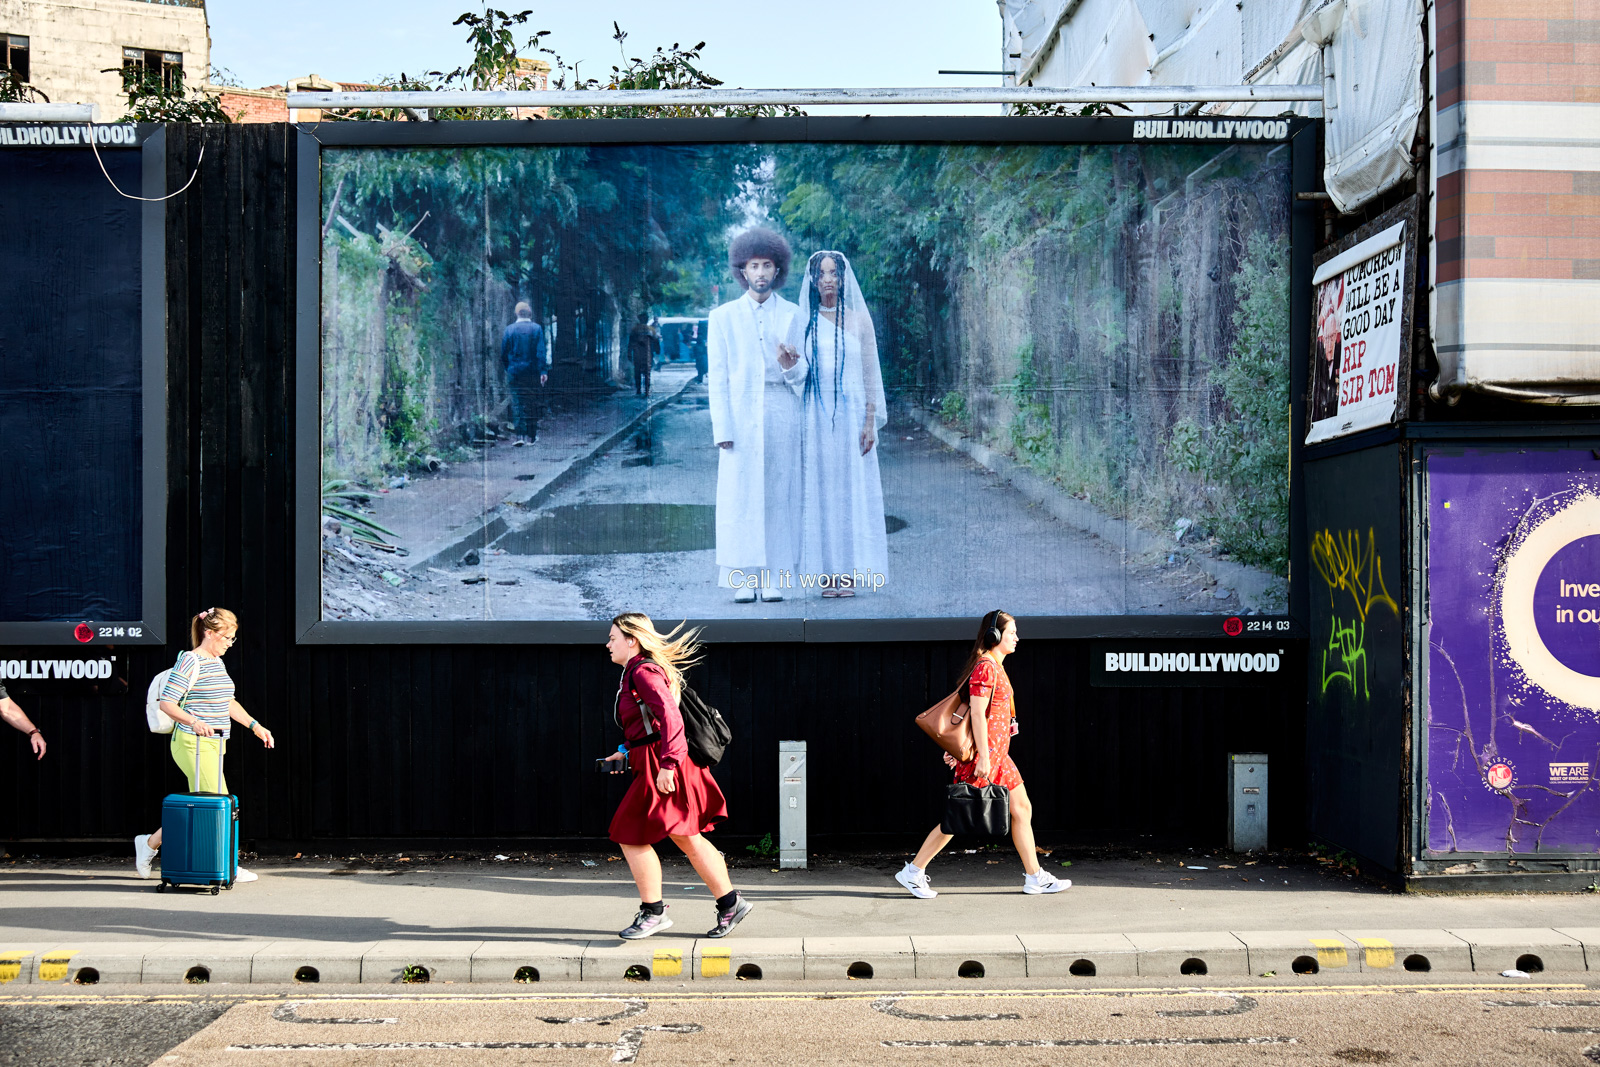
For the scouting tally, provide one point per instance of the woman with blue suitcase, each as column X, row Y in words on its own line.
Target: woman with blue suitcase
column 199, row 698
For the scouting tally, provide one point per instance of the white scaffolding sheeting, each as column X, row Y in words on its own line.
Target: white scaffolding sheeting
column 1368, row 55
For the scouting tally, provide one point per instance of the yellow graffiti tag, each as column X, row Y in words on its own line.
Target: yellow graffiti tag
column 1349, row 564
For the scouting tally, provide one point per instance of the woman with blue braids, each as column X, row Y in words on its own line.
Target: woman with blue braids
column 842, row 530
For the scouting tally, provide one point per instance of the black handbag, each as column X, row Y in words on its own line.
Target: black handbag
column 972, row 809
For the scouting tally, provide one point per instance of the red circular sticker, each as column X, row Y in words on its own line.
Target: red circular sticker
column 1233, row 626
column 84, row 632
column 1498, row 776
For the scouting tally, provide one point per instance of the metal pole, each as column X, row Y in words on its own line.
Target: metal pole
column 1102, row 94
column 49, row 113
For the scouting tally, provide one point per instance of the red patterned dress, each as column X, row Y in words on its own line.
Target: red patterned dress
column 989, row 679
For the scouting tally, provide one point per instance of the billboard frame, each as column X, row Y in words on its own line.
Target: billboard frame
column 1424, row 440
column 1302, row 140
column 151, row 143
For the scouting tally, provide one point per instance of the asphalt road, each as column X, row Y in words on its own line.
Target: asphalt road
column 962, row 539
column 1305, row 1020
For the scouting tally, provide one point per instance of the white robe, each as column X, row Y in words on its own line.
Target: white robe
column 758, row 409
column 841, row 492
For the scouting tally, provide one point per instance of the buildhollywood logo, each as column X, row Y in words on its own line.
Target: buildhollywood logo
column 1193, row 662
column 1211, row 129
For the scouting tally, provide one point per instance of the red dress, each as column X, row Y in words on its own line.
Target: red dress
column 989, row 679
column 646, row 814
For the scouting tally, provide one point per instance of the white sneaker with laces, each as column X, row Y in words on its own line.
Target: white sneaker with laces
column 1044, row 882
column 242, row 875
column 143, row 855
column 915, row 882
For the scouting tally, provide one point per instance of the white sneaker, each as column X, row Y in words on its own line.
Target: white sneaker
column 744, row 595
column 916, row 882
column 1044, row 882
column 143, row 855
column 242, row 875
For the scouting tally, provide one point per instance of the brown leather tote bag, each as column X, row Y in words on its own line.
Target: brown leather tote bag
column 947, row 722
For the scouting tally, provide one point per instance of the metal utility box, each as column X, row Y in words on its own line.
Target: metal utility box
column 1247, row 801
column 791, row 804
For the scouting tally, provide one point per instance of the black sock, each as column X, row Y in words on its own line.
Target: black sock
column 652, row 909
column 726, row 901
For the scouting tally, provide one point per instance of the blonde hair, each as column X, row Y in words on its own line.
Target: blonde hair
column 673, row 652
column 213, row 619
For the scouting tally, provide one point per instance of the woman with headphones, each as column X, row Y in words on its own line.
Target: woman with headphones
column 994, row 724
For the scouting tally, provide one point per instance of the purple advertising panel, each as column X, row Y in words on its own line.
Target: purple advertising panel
column 1514, row 657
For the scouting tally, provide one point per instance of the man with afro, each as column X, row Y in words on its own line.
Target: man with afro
column 755, row 422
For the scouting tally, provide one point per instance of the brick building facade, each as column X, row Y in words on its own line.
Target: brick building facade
column 1517, row 176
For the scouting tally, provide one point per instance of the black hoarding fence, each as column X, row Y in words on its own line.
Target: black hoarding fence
column 460, row 743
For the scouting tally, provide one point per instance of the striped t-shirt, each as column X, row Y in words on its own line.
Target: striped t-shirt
column 207, row 699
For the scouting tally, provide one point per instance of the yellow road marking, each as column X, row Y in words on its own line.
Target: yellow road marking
column 667, row 963
column 715, row 962
column 731, row 994
column 1330, row 953
column 53, row 965
column 11, row 963
column 1380, row 953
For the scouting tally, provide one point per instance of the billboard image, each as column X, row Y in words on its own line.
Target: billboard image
column 82, row 383
column 814, row 380
column 1514, row 651
column 1361, row 296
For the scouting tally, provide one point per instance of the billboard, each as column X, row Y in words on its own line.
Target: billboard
column 1363, row 288
column 798, row 380
column 1513, row 683
column 82, row 385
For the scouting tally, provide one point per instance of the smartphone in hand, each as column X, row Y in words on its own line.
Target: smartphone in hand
column 610, row 766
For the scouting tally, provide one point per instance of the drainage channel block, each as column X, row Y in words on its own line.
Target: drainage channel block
column 1079, row 955
column 860, row 957
column 310, row 962
column 528, row 961
column 91, row 962
column 1589, row 937
column 750, row 958
column 651, row 958
column 419, row 961
column 1524, row 949
column 1418, row 951
column 969, row 956
column 200, row 962
column 1190, row 954
column 1300, row 951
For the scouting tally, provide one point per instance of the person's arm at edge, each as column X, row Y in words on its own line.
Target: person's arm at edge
column 237, row 713
column 13, row 714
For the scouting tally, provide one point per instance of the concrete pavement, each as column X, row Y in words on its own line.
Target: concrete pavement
column 552, row 918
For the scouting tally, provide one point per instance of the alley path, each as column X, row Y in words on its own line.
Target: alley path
column 962, row 539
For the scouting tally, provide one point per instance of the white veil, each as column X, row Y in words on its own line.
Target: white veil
column 853, row 318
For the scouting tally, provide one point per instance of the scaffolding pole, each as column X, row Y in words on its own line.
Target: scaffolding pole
column 1101, row 94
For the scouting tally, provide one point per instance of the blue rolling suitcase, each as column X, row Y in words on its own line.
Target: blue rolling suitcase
column 200, row 838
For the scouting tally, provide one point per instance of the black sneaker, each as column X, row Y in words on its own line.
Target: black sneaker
column 727, row 920
column 645, row 924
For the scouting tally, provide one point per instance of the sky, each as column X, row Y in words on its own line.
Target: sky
column 825, row 44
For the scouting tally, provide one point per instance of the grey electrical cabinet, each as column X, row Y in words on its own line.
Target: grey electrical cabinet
column 1247, row 801
column 791, row 804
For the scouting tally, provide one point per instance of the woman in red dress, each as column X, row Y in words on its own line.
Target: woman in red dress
column 671, row 795
column 994, row 724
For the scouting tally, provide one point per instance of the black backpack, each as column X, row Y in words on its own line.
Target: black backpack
column 705, row 731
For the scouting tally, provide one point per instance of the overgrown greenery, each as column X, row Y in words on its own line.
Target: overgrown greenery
column 150, row 99
column 13, row 90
